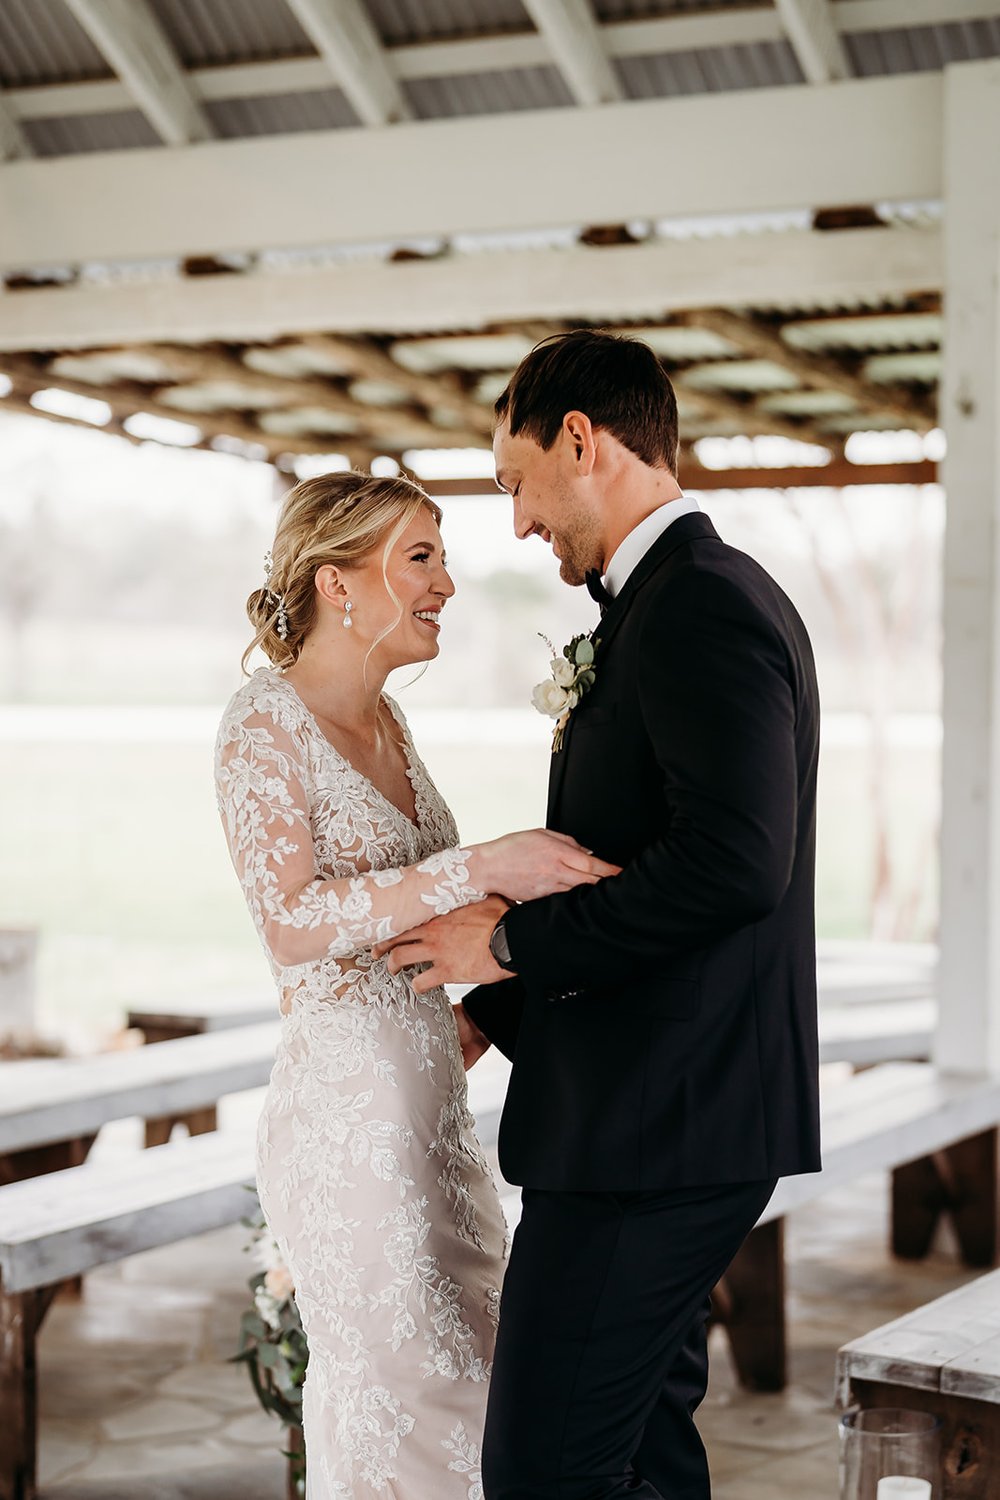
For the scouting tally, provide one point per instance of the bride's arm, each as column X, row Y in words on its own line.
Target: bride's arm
column 301, row 914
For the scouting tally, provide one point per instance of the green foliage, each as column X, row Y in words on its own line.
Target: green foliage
column 274, row 1350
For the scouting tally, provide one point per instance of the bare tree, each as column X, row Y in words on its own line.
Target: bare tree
column 878, row 602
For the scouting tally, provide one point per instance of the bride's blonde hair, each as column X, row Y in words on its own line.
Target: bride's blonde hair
column 339, row 519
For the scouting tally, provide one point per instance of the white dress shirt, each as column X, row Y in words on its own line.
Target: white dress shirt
column 639, row 540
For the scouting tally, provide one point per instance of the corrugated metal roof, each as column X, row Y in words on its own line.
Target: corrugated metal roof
column 708, row 70
column 209, row 32
column 920, row 368
column 121, row 131
column 635, row 10
column 40, row 42
column 893, row 331
column 281, row 114
column 487, row 352
column 487, row 93
column 405, row 21
column 923, row 48
column 754, row 375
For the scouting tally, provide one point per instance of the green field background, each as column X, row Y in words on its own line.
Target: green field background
column 115, row 853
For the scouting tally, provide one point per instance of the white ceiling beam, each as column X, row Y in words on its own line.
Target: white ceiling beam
column 14, row 144
column 760, row 150
column 578, row 51
column 344, row 35
column 129, row 35
column 628, row 283
column 815, row 39
column 455, row 59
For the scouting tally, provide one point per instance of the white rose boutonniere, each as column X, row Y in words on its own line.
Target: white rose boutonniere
column 572, row 675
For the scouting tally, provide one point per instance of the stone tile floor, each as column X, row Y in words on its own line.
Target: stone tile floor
column 137, row 1402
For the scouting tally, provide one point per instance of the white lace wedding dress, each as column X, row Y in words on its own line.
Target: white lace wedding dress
column 369, row 1172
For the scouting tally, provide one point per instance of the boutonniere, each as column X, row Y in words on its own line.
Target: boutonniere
column 572, row 675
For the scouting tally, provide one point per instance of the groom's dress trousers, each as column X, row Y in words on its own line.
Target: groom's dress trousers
column 662, row 1024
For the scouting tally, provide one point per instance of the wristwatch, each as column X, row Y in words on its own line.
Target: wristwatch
column 500, row 947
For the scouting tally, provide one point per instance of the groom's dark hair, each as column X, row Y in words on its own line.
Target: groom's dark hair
column 617, row 382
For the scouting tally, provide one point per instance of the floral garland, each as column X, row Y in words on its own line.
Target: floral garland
column 573, row 675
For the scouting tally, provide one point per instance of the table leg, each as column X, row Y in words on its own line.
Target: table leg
column 961, row 1182
column 970, row 1435
column 198, row 1121
column 749, row 1303
column 19, row 1319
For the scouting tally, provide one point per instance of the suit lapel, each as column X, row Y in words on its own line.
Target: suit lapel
column 690, row 528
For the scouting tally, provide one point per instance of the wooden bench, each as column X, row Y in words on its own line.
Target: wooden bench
column 197, row 1017
column 177, row 1018
column 63, row 1224
column 943, row 1358
column 877, row 1031
column 53, row 1228
column 936, row 1134
column 51, row 1111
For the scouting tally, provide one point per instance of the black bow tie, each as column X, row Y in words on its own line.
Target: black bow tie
column 596, row 589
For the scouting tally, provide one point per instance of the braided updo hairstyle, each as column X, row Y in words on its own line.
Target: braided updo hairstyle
column 335, row 518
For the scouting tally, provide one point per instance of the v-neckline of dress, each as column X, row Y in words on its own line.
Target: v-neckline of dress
column 408, row 753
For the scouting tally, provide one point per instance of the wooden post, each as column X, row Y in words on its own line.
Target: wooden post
column 968, row 1036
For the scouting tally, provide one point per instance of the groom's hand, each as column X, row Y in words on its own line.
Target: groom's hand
column 457, row 947
column 471, row 1040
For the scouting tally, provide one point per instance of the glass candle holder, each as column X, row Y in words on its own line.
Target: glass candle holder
column 889, row 1442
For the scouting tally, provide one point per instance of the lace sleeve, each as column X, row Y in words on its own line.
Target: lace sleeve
column 302, row 915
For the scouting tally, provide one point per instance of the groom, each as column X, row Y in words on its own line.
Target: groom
column 662, row 1023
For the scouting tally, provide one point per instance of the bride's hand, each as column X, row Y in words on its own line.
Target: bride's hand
column 538, row 862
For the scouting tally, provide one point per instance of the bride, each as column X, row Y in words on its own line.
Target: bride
column 369, row 1173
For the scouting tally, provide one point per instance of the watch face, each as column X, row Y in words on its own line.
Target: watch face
column 499, row 946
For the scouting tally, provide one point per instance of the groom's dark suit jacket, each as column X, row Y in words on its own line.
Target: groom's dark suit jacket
column 662, row 1024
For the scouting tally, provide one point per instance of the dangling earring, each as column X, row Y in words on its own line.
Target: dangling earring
column 348, row 622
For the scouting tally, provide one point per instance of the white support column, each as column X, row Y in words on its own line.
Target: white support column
column 968, row 1038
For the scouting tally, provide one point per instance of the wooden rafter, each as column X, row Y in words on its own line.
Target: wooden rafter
column 724, row 407
column 681, row 31
column 578, row 49
column 406, row 422
column 134, row 42
column 344, row 35
column 14, row 145
column 443, row 392
column 868, row 139
column 628, row 283
column 404, row 429
column 815, row 371
column 694, row 476
column 815, row 39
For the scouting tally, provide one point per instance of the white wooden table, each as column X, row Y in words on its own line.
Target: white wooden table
column 943, row 1358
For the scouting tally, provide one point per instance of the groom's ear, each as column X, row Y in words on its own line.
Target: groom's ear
column 579, row 433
